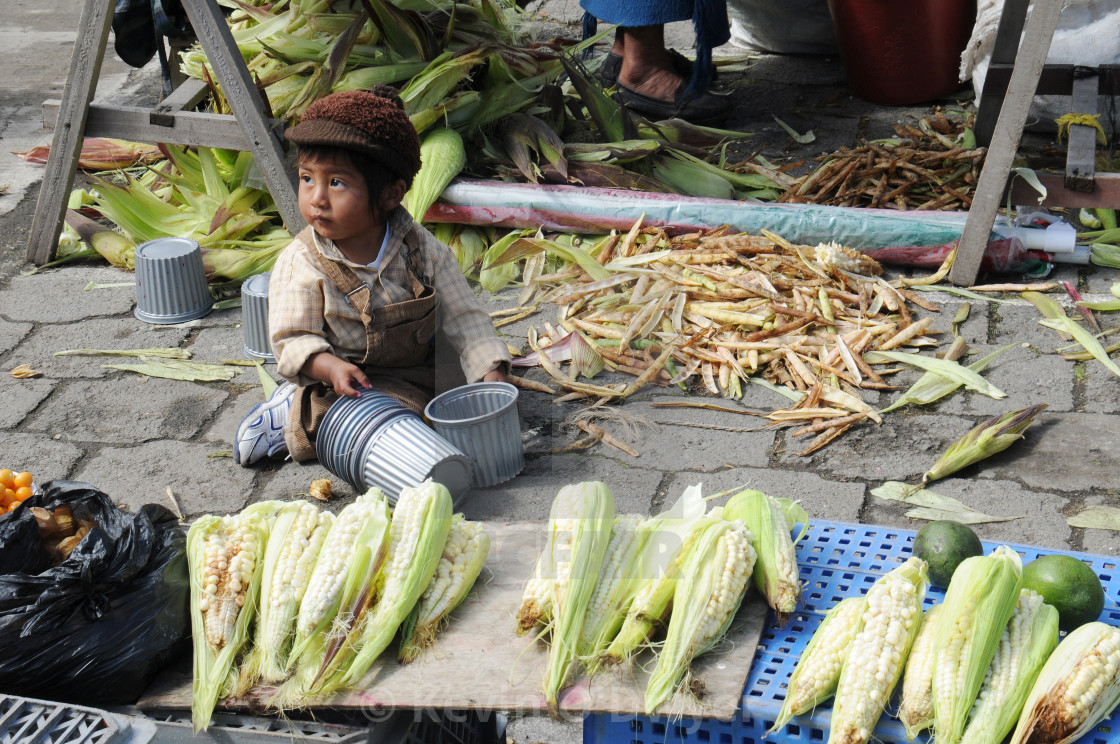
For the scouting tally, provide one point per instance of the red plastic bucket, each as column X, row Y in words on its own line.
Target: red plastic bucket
column 902, row 52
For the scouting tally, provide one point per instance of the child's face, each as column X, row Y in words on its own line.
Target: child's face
column 334, row 200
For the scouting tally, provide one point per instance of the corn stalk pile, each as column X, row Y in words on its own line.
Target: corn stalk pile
column 974, row 668
column 606, row 585
column 724, row 310
column 295, row 604
column 932, row 166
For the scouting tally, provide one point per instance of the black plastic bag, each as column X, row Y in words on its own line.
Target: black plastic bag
column 95, row 629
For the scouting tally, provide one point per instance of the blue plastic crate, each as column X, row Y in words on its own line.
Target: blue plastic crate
column 836, row 560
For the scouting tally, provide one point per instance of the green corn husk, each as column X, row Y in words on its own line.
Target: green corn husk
column 413, row 559
column 579, row 531
column 324, row 622
column 714, row 579
column 950, row 370
column 1034, row 625
column 293, row 547
column 935, row 385
column 467, row 547
column 994, row 435
column 770, row 520
column 618, row 582
column 443, row 156
column 978, row 603
column 115, row 248
column 818, row 670
column 214, row 662
column 659, row 567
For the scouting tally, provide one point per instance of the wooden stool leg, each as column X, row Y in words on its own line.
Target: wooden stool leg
column 1037, row 35
column 245, row 100
column 66, row 145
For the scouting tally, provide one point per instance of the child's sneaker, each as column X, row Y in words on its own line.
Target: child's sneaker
column 261, row 434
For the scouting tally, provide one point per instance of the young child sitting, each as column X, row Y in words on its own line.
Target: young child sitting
column 357, row 298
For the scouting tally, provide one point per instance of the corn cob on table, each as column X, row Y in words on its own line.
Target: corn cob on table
column 837, row 560
column 479, row 663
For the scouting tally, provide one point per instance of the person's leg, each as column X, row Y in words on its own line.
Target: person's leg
column 647, row 67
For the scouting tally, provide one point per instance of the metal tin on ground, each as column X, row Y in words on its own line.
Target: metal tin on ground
column 373, row 440
column 481, row 419
column 254, row 317
column 171, row 282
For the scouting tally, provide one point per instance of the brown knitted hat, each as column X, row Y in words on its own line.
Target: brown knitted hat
column 373, row 123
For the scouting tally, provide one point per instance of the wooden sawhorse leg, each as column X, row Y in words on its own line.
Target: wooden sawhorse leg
column 85, row 67
column 1037, row 34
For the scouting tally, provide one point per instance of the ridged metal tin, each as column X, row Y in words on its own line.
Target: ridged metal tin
column 481, row 419
column 171, row 282
column 408, row 453
column 254, row 317
column 373, row 440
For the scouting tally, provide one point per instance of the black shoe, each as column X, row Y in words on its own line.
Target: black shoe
column 134, row 32
column 612, row 63
column 705, row 108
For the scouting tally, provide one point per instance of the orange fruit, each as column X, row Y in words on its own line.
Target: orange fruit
column 22, row 479
column 7, row 496
column 23, row 493
column 7, row 478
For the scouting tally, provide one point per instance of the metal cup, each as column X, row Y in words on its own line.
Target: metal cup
column 254, row 317
column 171, row 282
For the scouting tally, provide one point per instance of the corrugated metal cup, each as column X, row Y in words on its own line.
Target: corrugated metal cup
column 171, row 282
column 373, row 440
column 254, row 317
column 481, row 419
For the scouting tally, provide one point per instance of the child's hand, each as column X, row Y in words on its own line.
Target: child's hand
column 343, row 376
column 347, row 378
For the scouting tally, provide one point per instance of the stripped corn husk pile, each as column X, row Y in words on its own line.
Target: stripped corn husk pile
column 932, row 166
column 980, row 664
column 606, row 586
column 291, row 604
column 721, row 310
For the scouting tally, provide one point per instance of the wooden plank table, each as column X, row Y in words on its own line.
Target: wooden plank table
column 479, row 663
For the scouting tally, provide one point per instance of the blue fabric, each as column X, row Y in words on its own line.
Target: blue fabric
column 639, row 12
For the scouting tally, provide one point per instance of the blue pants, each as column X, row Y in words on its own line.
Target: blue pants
column 639, row 12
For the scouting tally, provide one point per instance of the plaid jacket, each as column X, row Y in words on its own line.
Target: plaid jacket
column 308, row 314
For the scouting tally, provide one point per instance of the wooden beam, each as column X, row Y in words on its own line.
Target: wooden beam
column 1081, row 152
column 1037, row 35
column 1055, row 80
column 1003, row 53
column 245, row 100
column 1106, row 193
column 66, row 145
column 193, row 128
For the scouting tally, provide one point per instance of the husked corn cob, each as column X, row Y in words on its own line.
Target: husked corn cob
column 579, row 532
column 713, row 582
column 978, row 603
column 1027, row 642
column 818, row 670
column 293, row 547
column 224, row 556
column 536, row 598
column 463, row 558
column 916, row 710
column 421, row 521
column 1078, row 687
column 619, row 579
column 340, row 590
column 768, row 519
column 878, row 652
column 650, row 606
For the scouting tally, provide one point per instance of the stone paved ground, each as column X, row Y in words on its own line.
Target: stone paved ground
column 136, row 437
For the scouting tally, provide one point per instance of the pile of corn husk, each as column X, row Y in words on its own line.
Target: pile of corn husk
column 725, row 310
